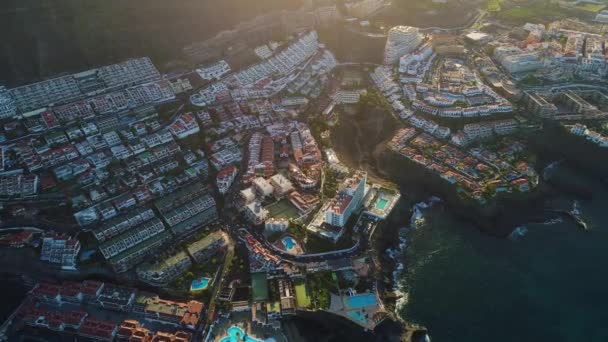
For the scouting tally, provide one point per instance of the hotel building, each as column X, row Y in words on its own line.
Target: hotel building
column 347, row 201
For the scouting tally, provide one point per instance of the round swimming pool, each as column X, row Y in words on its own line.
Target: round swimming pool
column 289, row 243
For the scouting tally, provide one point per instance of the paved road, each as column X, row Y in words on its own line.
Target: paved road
column 218, row 285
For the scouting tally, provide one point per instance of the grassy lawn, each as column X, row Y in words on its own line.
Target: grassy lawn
column 302, row 297
column 494, row 5
column 591, row 7
column 537, row 11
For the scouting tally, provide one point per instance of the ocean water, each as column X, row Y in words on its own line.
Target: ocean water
column 12, row 292
column 549, row 282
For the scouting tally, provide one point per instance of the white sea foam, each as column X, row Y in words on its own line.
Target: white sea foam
column 553, row 221
column 518, row 233
column 416, row 222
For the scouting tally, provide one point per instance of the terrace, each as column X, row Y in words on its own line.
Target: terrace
column 362, row 309
column 380, row 201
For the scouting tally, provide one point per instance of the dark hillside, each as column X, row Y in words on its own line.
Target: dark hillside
column 40, row 38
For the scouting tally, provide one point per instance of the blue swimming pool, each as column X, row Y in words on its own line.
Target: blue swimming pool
column 235, row 334
column 360, row 301
column 199, row 284
column 289, row 242
column 381, row 203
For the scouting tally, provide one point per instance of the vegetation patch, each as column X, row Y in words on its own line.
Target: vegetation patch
column 321, row 286
column 589, row 7
column 537, row 11
column 494, row 5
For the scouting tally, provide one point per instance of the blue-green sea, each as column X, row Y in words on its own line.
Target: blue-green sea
column 551, row 284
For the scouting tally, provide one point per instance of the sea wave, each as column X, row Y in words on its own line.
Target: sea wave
column 553, row 221
column 417, row 221
column 518, row 233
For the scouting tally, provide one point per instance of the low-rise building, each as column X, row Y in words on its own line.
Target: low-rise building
column 255, row 213
column 18, row 185
column 186, row 315
column 282, row 186
column 263, row 187
column 539, row 105
column 118, row 298
column 207, row 246
column 214, row 71
column 60, row 250
column 164, row 270
column 275, row 225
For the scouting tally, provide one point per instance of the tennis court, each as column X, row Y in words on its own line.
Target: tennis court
column 282, row 209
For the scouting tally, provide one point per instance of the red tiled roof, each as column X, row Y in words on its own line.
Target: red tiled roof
column 46, row 289
column 90, row 287
column 97, row 328
column 74, row 317
column 70, row 289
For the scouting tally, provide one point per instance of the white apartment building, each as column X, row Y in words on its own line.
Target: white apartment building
column 8, row 108
column 293, row 101
column 423, row 53
column 602, row 16
column 18, row 185
column 504, row 127
column 263, row 187
column 60, row 250
column 185, row 125
column 214, row 71
column 275, row 225
column 281, row 184
column 131, row 238
column 400, row 40
column 426, row 125
column 522, row 62
column 37, row 95
column 348, row 96
column 263, row 51
column 226, row 157
column 255, row 213
column 478, row 131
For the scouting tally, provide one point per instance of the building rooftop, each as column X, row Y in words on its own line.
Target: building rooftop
column 164, row 264
column 205, row 242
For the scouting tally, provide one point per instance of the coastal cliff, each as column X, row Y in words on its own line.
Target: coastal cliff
column 498, row 217
column 361, row 142
column 555, row 142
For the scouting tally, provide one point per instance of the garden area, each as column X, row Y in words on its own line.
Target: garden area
column 181, row 285
column 321, row 285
